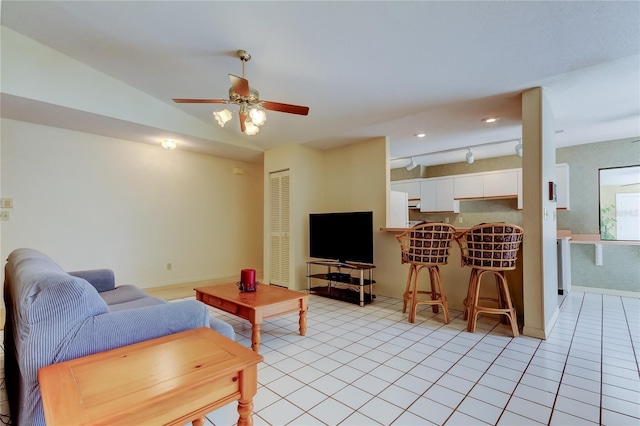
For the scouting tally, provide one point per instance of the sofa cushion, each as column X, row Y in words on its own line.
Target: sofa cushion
column 101, row 279
column 135, row 304
column 123, row 293
column 40, row 286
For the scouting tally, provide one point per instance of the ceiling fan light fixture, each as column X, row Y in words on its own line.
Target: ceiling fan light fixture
column 470, row 158
column 252, row 109
column 250, row 129
column 258, row 115
column 519, row 148
column 222, row 116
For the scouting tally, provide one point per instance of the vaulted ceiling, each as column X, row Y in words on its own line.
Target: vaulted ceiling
column 365, row 69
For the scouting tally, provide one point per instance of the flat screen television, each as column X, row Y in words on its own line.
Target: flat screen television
column 344, row 237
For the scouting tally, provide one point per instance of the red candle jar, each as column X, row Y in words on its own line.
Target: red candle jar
column 248, row 277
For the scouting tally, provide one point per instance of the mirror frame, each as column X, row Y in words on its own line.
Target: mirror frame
column 607, row 217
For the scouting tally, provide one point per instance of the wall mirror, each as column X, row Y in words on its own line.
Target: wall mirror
column 620, row 203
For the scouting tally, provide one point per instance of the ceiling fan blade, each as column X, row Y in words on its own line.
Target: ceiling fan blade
column 201, row 101
column 243, row 118
column 240, row 85
column 291, row 109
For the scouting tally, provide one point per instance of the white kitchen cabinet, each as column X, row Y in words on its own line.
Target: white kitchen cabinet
column 562, row 189
column 486, row 185
column 444, row 197
column 442, row 194
column 436, row 195
column 412, row 188
column 471, row 186
column 428, row 195
column 500, row 184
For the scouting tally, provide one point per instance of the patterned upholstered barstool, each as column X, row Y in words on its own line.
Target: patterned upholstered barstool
column 426, row 245
column 490, row 248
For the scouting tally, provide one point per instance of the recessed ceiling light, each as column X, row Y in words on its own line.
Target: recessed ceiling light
column 169, row 144
column 420, row 135
column 490, row 119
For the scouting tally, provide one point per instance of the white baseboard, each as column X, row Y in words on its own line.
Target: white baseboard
column 607, row 291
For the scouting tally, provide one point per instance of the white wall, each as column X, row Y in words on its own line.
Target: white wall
column 94, row 202
column 27, row 67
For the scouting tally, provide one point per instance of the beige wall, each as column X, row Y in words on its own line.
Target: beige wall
column 95, row 202
column 306, row 171
column 350, row 178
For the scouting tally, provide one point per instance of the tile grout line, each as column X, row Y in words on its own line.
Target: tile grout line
column 575, row 326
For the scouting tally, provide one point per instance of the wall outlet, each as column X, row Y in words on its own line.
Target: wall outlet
column 460, row 219
column 6, row 203
column 169, row 266
column 4, row 215
column 446, row 220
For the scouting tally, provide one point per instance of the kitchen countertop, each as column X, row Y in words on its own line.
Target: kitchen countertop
column 562, row 234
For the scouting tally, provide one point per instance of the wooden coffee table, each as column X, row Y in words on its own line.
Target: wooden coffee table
column 172, row 380
column 266, row 302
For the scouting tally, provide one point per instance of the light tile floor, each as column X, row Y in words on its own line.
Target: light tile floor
column 369, row 366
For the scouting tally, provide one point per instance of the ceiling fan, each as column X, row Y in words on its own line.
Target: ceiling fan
column 251, row 113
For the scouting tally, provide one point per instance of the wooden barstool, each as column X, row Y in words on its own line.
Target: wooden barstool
column 426, row 245
column 490, row 248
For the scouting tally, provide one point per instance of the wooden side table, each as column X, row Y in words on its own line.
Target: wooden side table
column 171, row 380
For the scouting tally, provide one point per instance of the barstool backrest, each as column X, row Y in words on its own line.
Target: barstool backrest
column 427, row 243
column 491, row 246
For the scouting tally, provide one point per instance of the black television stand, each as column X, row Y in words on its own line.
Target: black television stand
column 340, row 283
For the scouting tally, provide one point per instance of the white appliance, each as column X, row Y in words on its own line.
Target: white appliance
column 398, row 210
column 564, row 266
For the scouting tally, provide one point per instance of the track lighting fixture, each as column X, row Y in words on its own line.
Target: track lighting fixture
column 470, row 158
column 412, row 165
column 519, row 148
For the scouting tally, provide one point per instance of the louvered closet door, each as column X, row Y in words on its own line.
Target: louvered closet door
column 279, row 232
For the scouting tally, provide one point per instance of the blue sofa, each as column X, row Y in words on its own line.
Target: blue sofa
column 53, row 316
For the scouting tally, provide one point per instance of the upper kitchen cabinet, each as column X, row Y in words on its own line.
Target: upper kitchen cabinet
column 502, row 183
column 411, row 187
column 468, row 186
column 436, row 195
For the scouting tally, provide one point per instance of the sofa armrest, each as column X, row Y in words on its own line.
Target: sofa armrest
column 115, row 329
column 101, row 279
